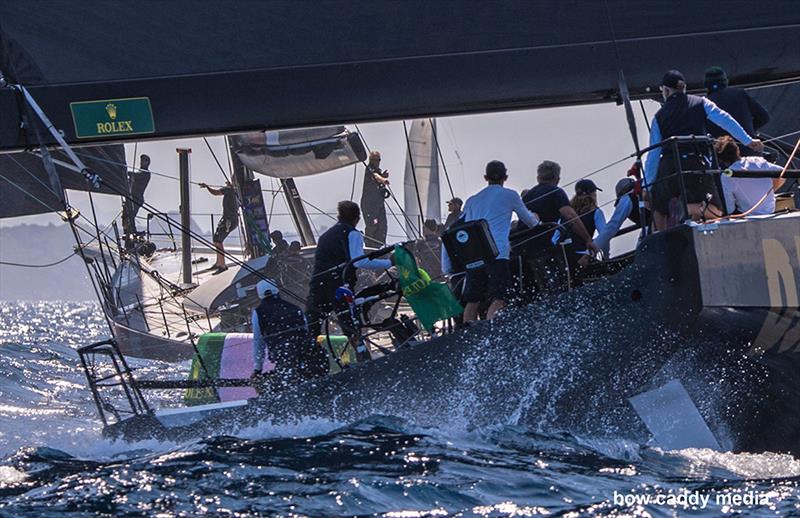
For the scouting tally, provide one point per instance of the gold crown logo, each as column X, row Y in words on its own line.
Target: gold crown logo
column 111, row 109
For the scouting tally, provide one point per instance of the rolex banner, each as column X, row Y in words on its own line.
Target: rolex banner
column 224, row 356
column 431, row 301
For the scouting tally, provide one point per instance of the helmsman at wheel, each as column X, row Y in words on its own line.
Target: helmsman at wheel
column 336, row 247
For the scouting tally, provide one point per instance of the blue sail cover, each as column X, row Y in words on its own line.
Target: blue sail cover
column 220, row 67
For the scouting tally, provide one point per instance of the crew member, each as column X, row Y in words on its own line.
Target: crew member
column 228, row 222
column 372, row 201
column 281, row 330
column 428, row 249
column 551, row 203
column 280, row 244
column 336, row 247
column 625, row 207
column 138, row 180
column 495, row 204
column 747, row 195
column 681, row 115
column 584, row 203
column 453, row 212
column 737, row 102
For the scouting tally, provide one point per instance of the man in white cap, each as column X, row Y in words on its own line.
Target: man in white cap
column 280, row 329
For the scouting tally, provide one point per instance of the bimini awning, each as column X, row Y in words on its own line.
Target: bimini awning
column 295, row 153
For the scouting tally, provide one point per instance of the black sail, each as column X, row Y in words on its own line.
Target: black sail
column 217, row 67
column 25, row 187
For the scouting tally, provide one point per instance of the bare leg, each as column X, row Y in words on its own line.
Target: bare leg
column 494, row 307
column 220, row 254
column 697, row 213
column 471, row 311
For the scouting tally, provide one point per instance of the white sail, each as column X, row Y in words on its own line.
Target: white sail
column 422, row 162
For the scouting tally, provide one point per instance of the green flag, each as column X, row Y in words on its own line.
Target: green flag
column 431, row 301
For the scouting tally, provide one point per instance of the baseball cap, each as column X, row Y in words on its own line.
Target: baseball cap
column 672, row 78
column 265, row 287
column 496, row 170
column 624, row 186
column 586, row 187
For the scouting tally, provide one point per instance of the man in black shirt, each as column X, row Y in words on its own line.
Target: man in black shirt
column 453, row 212
column 280, row 244
column 228, row 222
column 551, row 203
column 738, row 103
column 546, row 261
column 372, row 204
column 138, row 180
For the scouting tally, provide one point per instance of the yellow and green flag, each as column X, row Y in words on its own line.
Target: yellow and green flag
column 431, row 300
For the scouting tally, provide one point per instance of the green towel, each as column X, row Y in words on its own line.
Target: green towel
column 210, row 346
column 431, row 301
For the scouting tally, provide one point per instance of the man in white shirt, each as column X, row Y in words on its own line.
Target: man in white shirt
column 751, row 195
column 495, row 204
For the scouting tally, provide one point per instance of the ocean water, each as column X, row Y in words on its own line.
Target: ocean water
column 53, row 458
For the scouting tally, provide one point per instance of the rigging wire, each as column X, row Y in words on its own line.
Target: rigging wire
column 441, row 157
column 413, row 174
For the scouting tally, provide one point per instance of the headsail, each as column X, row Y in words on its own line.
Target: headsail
column 295, row 153
column 421, row 180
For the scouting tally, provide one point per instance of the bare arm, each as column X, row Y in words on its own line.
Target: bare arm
column 215, row 192
column 569, row 215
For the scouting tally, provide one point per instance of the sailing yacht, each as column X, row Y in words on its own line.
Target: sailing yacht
column 714, row 294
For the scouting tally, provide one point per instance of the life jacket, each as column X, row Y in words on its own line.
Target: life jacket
column 333, row 249
column 286, row 334
column 588, row 221
column 681, row 115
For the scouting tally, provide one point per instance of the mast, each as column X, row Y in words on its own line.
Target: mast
column 251, row 205
column 299, row 215
column 186, row 239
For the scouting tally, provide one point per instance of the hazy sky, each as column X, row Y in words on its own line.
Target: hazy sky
column 581, row 139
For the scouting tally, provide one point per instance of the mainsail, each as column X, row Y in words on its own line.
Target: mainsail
column 203, row 68
column 296, row 153
column 421, row 179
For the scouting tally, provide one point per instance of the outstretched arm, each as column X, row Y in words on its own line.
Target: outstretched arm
column 723, row 119
column 215, row 192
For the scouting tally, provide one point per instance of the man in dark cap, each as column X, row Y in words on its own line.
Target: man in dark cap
column 736, row 101
column 453, row 212
column 680, row 115
column 495, row 204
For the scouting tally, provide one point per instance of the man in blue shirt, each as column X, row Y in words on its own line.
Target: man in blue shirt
column 495, row 204
column 626, row 207
column 680, row 115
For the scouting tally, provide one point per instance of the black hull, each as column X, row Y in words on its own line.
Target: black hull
column 571, row 362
